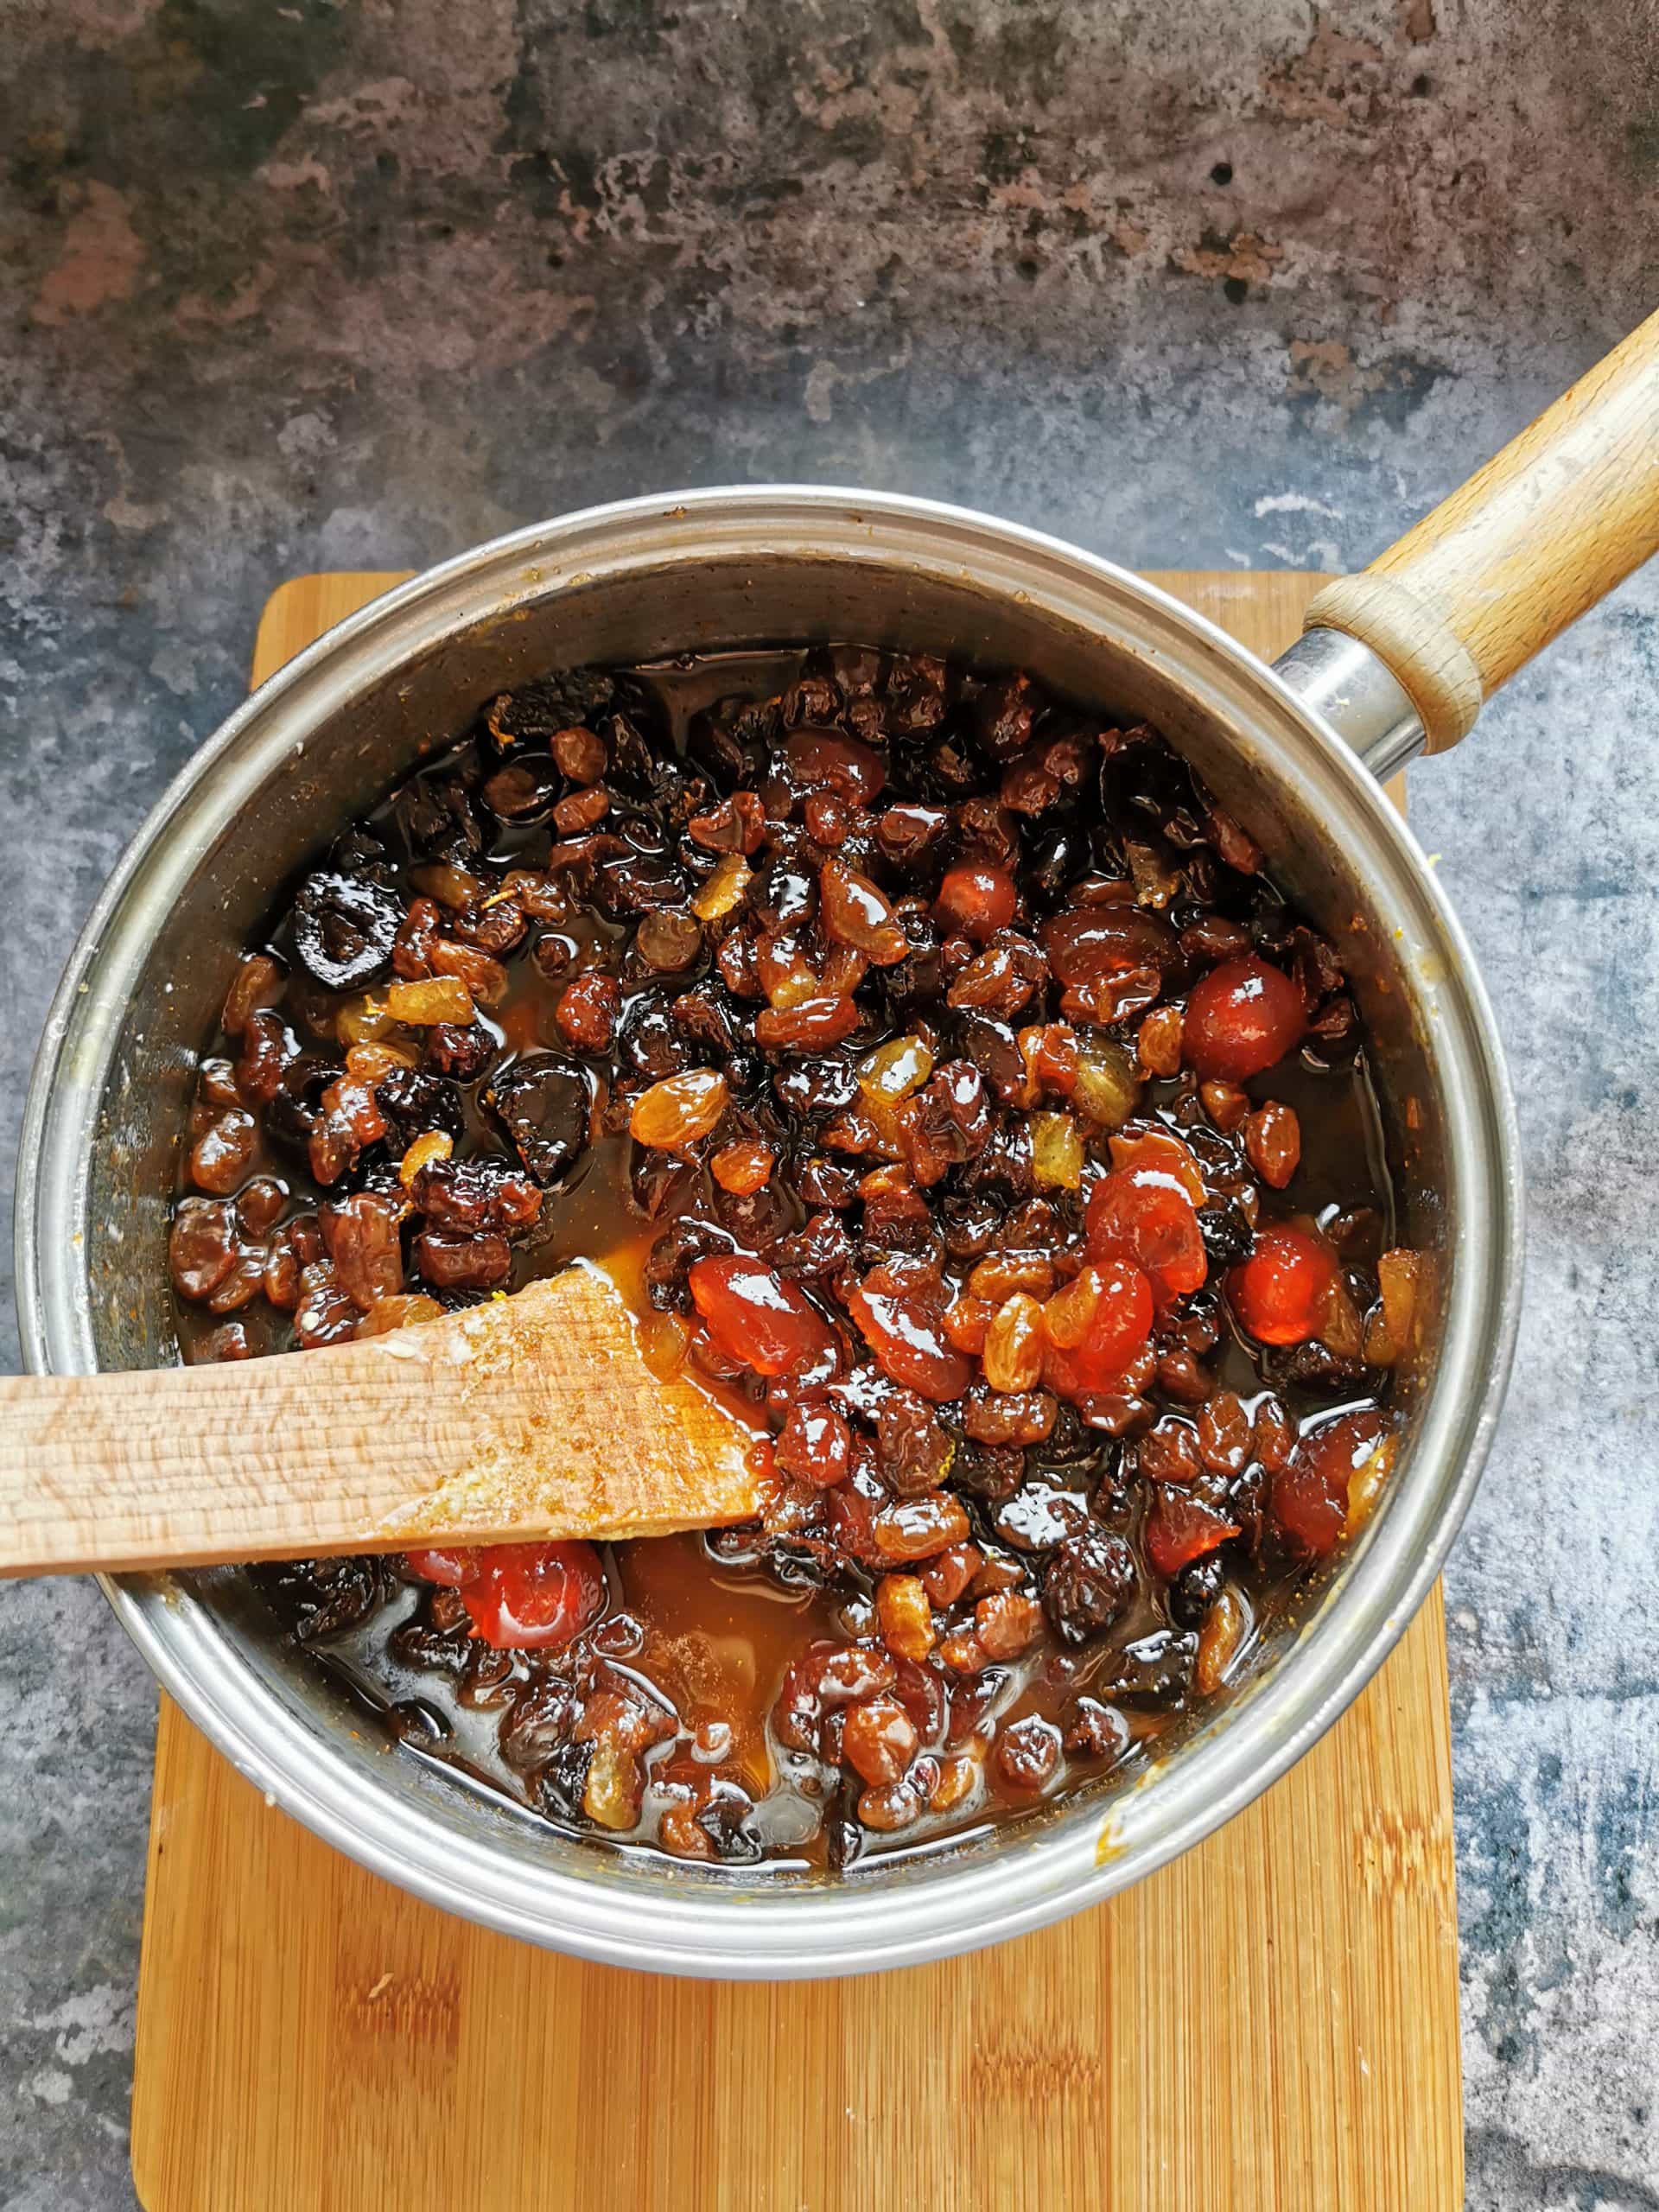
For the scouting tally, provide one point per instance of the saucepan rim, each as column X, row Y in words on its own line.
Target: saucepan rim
column 1088, row 1849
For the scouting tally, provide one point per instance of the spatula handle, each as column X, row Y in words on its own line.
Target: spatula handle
column 1548, row 527
column 193, row 1466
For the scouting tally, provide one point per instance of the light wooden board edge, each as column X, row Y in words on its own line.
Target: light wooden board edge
column 309, row 2037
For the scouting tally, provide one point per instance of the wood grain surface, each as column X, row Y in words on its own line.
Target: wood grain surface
column 1547, row 528
column 1269, row 2026
column 525, row 1418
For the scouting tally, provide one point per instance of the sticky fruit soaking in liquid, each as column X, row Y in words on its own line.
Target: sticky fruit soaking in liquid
column 944, row 1080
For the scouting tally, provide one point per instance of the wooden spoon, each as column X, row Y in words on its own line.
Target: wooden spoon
column 528, row 1418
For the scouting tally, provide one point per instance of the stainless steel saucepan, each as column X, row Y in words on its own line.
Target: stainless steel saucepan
column 1394, row 661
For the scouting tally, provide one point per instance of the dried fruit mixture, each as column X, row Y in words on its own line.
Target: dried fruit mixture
column 943, row 1076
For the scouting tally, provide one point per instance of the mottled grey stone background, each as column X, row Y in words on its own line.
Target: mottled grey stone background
column 335, row 286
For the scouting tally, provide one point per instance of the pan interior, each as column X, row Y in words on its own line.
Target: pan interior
column 330, row 735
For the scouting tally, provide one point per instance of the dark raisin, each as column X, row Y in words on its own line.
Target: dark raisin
column 1027, row 1753
column 461, row 1053
column 1196, row 1588
column 524, row 791
column 1087, row 1584
column 463, row 1262
column 533, row 712
column 686, row 1240
column 1097, row 1731
column 413, row 1103
column 993, row 1471
column 461, row 1197
column 822, row 1248
column 318, row 1598
column 544, row 1103
column 912, row 1448
column 1153, row 1671
column 635, row 883
column 201, row 1246
column 1057, row 859
column 432, row 815
column 1228, row 1238
column 952, row 1120
column 649, row 1038
column 344, row 929
column 822, row 1085
column 495, row 925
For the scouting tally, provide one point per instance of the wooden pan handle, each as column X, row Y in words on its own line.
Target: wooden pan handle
column 1566, row 511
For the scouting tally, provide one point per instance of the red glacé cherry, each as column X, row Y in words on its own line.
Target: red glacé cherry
column 1142, row 1214
column 909, row 1343
column 1279, row 1293
column 978, row 902
column 1120, row 1324
column 1244, row 1016
column 452, row 1568
column 522, row 1597
column 759, row 1320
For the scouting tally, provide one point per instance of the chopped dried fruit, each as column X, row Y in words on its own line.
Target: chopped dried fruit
column 1056, row 1152
column 893, row 1071
column 1107, row 1089
column 1012, row 1357
column 743, row 1168
column 814, row 1446
column 344, row 929
column 904, row 1617
column 1026, row 1754
column 1107, row 1312
column 1087, row 1584
column 1181, row 1527
column 855, row 913
column 534, row 1597
column 223, row 1151
column 811, row 1025
column 1158, row 1041
column 1309, row 1494
column 888, row 1023
column 435, row 1145
column 817, row 758
column 587, row 1010
column 1088, row 945
column 1007, row 1624
column 1391, row 1333
column 879, row 1741
column 202, row 1246
column 680, row 1110
column 439, row 999
column 919, row 1527
column 1226, row 1626
column 724, row 890
column 544, row 1103
column 1273, row 1143
column 258, row 983
column 361, row 1236
column 668, row 939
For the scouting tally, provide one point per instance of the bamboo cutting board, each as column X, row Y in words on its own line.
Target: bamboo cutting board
column 1269, row 2026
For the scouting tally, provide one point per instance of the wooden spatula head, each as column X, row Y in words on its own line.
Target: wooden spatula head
column 528, row 1418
